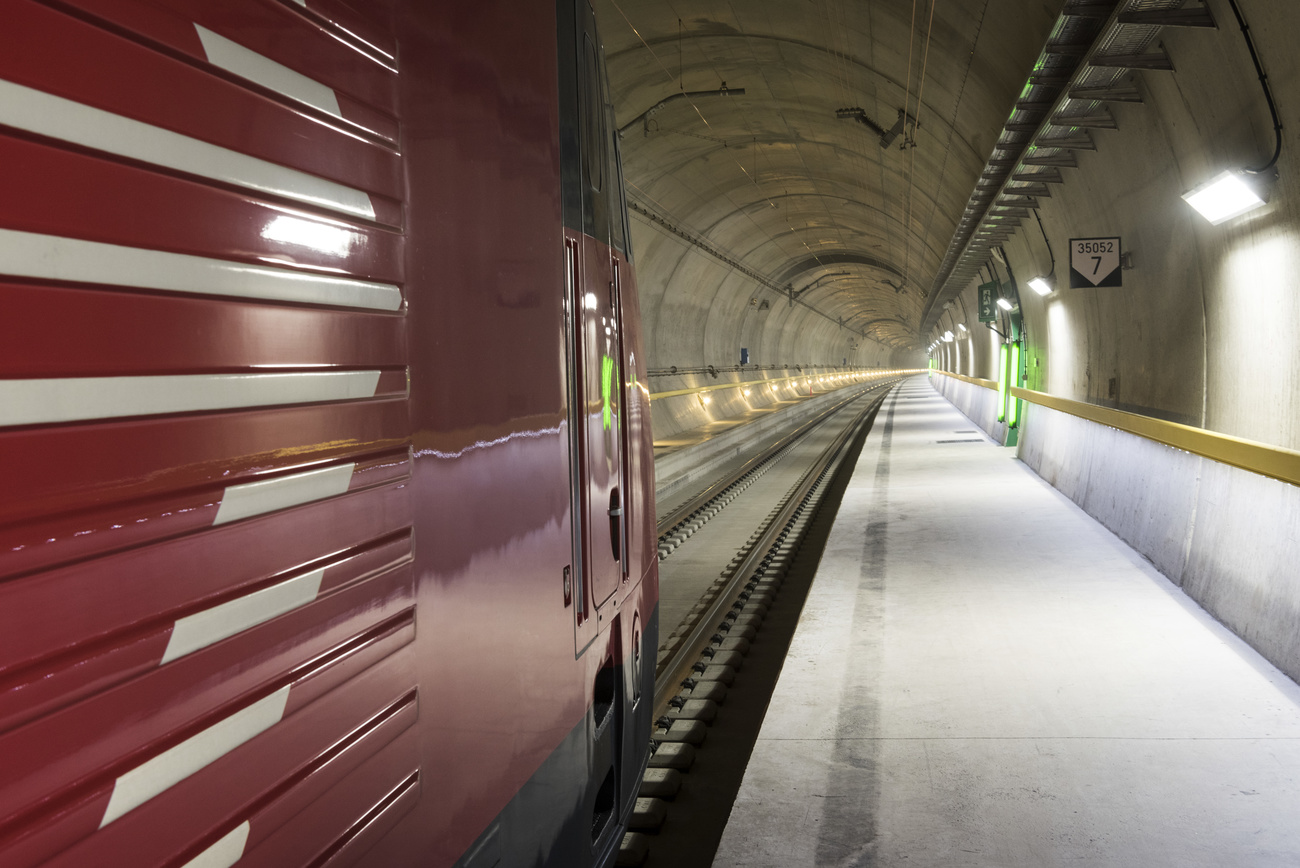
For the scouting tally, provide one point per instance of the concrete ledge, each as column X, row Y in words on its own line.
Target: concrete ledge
column 676, row 470
column 979, row 404
column 1226, row 536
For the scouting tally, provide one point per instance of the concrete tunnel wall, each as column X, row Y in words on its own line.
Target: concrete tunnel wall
column 1205, row 330
column 699, row 312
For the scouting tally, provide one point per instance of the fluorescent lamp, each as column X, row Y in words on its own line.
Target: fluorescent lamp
column 962, row 326
column 1040, row 285
column 1002, row 380
column 947, row 337
column 1223, row 198
column 1004, row 304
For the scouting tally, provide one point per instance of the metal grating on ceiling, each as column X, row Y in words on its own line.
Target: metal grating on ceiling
column 1088, row 61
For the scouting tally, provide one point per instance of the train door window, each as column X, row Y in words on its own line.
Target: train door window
column 595, row 160
column 593, row 149
column 621, row 239
column 615, row 202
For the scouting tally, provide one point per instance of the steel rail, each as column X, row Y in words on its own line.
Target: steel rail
column 772, row 381
column 678, row 666
column 699, row 501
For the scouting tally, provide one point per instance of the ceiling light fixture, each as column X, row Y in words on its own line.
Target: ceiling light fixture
column 1005, row 305
column 1229, row 195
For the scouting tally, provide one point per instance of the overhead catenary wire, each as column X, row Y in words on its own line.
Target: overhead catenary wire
column 754, row 168
column 839, row 32
column 799, row 234
column 952, row 128
column 798, row 151
column 737, row 208
column 916, row 124
column 838, row 47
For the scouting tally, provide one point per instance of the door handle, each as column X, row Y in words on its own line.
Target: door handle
column 616, row 524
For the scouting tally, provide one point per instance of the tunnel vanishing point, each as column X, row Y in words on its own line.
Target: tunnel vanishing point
column 998, row 189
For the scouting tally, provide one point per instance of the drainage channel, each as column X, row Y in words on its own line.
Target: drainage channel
column 748, row 622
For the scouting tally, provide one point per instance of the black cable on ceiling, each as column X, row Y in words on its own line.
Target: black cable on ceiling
column 1268, row 92
column 1045, row 241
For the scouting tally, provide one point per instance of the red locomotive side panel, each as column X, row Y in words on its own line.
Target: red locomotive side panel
column 326, row 532
column 206, row 586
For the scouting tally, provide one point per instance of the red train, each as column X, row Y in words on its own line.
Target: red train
column 327, row 508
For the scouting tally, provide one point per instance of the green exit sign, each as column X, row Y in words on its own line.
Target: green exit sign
column 988, row 294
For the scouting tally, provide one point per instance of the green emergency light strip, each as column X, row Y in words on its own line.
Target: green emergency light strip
column 1013, row 403
column 1002, row 383
column 607, row 390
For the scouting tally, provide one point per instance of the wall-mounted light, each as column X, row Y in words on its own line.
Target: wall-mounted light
column 947, row 337
column 1005, row 305
column 962, row 326
column 1223, row 198
column 1040, row 285
column 1228, row 195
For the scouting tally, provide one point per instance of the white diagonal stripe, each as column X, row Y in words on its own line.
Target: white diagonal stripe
column 246, row 63
column 69, row 121
column 77, row 399
column 257, row 498
column 53, row 257
column 176, row 764
column 224, row 853
column 212, row 625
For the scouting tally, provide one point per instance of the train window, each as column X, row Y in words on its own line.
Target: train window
column 615, row 203
column 593, row 117
column 571, row 173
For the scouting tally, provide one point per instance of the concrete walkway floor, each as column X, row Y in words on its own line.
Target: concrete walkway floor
column 984, row 676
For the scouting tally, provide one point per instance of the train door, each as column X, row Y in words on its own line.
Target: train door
column 594, row 236
column 598, row 327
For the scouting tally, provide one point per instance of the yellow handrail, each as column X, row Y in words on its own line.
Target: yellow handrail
column 1273, row 461
column 987, row 384
column 1276, row 462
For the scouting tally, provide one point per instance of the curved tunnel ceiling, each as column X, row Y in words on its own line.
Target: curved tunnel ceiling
column 774, row 178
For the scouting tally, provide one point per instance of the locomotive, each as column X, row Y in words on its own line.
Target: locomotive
column 327, row 518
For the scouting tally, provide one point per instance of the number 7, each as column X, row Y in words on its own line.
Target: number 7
column 1096, row 259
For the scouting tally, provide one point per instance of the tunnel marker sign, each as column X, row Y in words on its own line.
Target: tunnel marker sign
column 1095, row 262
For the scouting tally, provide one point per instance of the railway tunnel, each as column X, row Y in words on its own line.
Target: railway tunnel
column 341, row 335
column 1056, row 617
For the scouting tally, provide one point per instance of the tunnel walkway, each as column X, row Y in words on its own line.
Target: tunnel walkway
column 984, row 676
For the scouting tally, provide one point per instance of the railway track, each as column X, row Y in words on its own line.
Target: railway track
column 724, row 555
